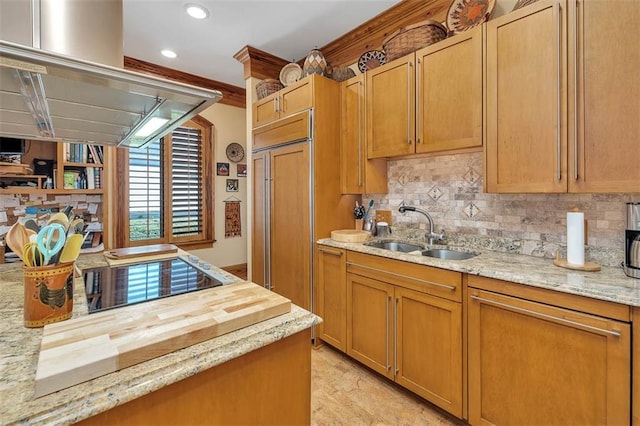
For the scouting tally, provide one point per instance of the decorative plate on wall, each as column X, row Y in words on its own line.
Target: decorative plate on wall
column 466, row 14
column 235, row 152
column 371, row 59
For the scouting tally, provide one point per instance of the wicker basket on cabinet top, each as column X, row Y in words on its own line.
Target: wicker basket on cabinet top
column 413, row 37
column 267, row 87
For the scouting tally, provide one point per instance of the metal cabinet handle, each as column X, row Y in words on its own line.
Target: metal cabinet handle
column 359, row 138
column 418, row 118
column 449, row 287
column 386, row 350
column 395, row 337
column 559, row 100
column 333, row 252
column 575, row 93
column 545, row 316
column 409, row 103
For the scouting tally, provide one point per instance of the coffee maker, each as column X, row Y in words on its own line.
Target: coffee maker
column 631, row 263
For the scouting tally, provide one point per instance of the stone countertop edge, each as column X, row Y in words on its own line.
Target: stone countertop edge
column 609, row 284
column 21, row 347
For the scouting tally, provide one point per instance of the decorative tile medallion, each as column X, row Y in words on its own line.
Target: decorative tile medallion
column 435, row 193
column 402, row 180
column 471, row 177
column 471, row 210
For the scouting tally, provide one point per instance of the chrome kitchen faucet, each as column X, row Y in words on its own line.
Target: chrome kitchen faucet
column 431, row 236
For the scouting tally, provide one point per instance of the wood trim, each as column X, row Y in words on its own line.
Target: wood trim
column 239, row 270
column 259, row 64
column 347, row 49
column 635, row 363
column 231, row 95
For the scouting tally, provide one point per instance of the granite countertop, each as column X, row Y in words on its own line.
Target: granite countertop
column 609, row 283
column 20, row 348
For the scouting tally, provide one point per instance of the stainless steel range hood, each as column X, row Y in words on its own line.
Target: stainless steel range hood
column 53, row 96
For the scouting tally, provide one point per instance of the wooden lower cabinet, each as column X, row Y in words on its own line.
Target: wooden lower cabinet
column 370, row 323
column 409, row 336
column 331, row 302
column 636, row 367
column 271, row 385
column 428, row 348
column 536, row 364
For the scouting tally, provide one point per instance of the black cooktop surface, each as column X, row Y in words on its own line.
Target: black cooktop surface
column 112, row 287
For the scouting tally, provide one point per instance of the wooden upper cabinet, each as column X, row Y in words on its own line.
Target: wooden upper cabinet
column 526, row 100
column 358, row 175
column 391, row 108
column 294, row 98
column 449, row 90
column 604, row 96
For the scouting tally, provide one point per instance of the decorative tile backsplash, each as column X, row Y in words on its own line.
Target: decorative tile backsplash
column 449, row 187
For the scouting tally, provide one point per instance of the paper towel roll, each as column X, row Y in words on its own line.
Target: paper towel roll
column 575, row 238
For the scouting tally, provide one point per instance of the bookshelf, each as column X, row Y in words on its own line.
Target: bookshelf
column 80, row 167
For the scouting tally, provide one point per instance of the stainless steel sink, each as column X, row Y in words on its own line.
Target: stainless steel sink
column 395, row 246
column 448, row 254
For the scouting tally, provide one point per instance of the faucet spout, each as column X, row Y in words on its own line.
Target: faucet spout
column 431, row 236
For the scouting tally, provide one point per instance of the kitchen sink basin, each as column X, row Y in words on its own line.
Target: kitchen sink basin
column 448, row 254
column 395, row 246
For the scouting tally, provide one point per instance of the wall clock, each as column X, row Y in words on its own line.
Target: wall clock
column 235, row 152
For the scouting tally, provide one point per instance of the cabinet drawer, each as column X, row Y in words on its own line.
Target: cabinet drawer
column 422, row 278
column 290, row 129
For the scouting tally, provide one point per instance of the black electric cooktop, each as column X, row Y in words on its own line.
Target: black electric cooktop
column 115, row 286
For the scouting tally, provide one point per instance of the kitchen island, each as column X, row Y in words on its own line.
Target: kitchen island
column 259, row 373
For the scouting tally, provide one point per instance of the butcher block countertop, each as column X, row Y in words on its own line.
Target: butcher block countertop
column 20, row 347
column 610, row 283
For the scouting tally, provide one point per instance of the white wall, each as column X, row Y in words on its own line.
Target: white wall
column 230, row 126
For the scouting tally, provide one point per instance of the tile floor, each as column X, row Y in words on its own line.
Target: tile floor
column 343, row 392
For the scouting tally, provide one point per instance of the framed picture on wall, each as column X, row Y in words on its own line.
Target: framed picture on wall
column 242, row 170
column 222, row 169
column 232, row 185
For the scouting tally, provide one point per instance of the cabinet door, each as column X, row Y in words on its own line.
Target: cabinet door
column 296, row 98
column 357, row 174
column 604, row 144
column 290, row 236
column 428, row 353
column 259, row 218
column 266, row 110
column 391, row 108
column 369, row 323
column 526, row 100
column 449, row 87
column 331, row 305
column 531, row 363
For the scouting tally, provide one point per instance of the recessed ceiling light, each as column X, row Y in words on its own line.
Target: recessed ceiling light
column 196, row 11
column 169, row 53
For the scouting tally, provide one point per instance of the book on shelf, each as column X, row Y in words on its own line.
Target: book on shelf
column 69, row 179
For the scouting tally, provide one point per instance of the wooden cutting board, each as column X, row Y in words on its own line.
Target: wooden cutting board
column 84, row 348
column 350, row 235
column 129, row 252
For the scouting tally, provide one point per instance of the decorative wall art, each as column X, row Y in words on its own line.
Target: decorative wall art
column 222, row 169
column 232, row 185
column 242, row 170
column 232, row 221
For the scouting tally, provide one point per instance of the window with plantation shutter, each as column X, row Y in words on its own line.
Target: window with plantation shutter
column 167, row 189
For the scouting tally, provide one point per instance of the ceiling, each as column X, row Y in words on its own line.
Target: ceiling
column 287, row 29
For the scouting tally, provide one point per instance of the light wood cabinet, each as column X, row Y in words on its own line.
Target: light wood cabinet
column 294, row 98
column 533, row 363
column 370, row 323
column 562, row 101
column 358, row 175
column 604, row 96
column 449, row 93
column 399, row 328
column 428, row 345
column 428, row 101
column 296, row 181
column 331, row 303
column 635, row 380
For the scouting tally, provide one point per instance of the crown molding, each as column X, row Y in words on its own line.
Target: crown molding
column 259, row 64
